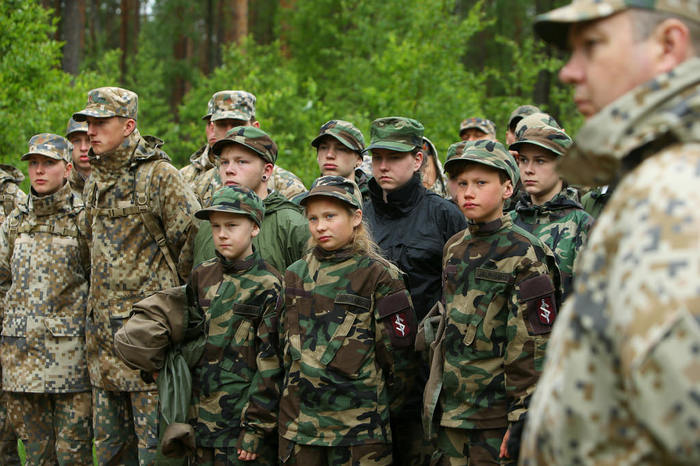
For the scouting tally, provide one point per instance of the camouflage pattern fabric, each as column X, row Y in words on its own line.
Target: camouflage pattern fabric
column 482, row 124
column 75, row 127
column 500, row 299
column 345, row 132
column 490, row 153
column 206, row 185
column 105, row 102
column 235, row 105
column 560, row 223
column 399, row 134
column 537, row 132
column 8, row 439
column 620, row 384
column 77, row 182
column 430, row 152
column 54, row 428
column 285, row 182
column 536, row 120
column 200, row 162
column 335, row 187
column 520, row 113
column 345, row 316
column 44, row 270
column 10, row 194
column 236, row 383
column 595, row 199
column 373, row 454
column 127, row 263
column 235, row 200
column 479, row 446
column 126, row 426
column 50, row 145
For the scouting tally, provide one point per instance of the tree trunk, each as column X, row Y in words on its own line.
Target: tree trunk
column 180, row 53
column 241, row 20
column 124, row 38
column 73, row 35
column 284, row 25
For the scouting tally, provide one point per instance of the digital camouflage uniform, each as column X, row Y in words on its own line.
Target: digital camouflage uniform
column 346, row 313
column 283, row 237
column 285, row 182
column 76, row 179
column 561, row 223
column 487, row 127
column 11, row 195
column 621, row 381
column 500, row 299
column 203, row 159
column 127, row 265
column 44, row 270
column 236, row 383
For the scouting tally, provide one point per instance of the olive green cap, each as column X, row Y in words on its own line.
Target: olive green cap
column 251, row 137
column 520, row 113
column 235, row 200
column 345, row 132
column 482, row 124
column 336, row 187
column 485, row 152
column 395, row 133
column 553, row 139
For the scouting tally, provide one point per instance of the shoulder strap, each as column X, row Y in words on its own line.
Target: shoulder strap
column 8, row 197
column 150, row 221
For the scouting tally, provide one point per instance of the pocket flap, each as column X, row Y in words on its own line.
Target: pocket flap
column 65, row 327
column 246, row 310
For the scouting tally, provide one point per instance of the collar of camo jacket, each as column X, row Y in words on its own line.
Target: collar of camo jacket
column 52, row 203
column 338, row 255
column 652, row 116
column 489, row 228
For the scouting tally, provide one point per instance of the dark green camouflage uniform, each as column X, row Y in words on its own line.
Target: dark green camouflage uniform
column 345, row 315
column 595, row 199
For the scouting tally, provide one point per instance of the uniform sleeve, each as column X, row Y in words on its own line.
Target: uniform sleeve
column 534, row 309
column 5, row 265
column 83, row 243
column 178, row 204
column 259, row 416
column 298, row 239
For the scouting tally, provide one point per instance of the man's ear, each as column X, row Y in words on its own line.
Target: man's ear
column 508, row 191
column 419, row 160
column 255, row 231
column 129, row 126
column 672, row 44
column 267, row 170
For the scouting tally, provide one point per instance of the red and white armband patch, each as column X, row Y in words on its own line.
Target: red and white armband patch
column 399, row 319
column 539, row 296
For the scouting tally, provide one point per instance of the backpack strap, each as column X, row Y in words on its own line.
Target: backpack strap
column 8, row 197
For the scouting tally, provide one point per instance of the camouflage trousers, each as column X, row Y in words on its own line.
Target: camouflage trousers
column 469, row 447
column 229, row 456
column 8, row 438
column 374, row 454
column 54, row 428
column 126, row 427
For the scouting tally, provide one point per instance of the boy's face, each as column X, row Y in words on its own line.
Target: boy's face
column 479, row 193
column 331, row 225
column 538, row 172
column 240, row 166
column 81, row 146
column 334, row 158
column 233, row 234
column 106, row 134
column 47, row 175
column 473, row 134
column 394, row 169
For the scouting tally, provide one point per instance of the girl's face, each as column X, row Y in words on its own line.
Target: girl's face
column 47, row 175
column 331, row 225
column 538, row 171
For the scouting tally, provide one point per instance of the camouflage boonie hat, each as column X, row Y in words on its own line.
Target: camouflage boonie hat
column 211, row 108
column 251, row 137
column 235, row 200
column 343, row 131
column 490, row 153
column 50, row 145
column 75, row 127
column 234, row 105
column 548, row 137
column 553, row 26
column 336, row 187
column 395, row 133
column 520, row 113
column 482, row 124
column 105, row 102
column 534, row 120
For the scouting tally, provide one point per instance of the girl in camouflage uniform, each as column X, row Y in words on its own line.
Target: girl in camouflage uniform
column 235, row 384
column 346, row 311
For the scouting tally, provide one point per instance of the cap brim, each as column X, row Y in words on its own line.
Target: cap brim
column 207, row 116
column 308, row 195
column 395, row 146
column 230, row 116
column 553, row 26
column 82, row 116
column 317, row 141
column 203, row 214
column 44, row 154
column 518, row 144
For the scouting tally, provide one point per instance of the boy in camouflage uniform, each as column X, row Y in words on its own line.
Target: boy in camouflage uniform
column 549, row 208
column 475, row 129
column 621, row 381
column 76, row 133
column 139, row 212
column 347, row 312
column 44, row 269
column 283, row 238
column 236, row 383
column 500, row 301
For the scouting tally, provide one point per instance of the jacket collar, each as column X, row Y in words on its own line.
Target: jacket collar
column 52, row 203
column 238, row 266
column 401, row 200
column 567, row 198
column 489, row 228
column 338, row 255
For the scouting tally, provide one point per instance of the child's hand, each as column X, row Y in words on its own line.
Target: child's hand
column 246, row 455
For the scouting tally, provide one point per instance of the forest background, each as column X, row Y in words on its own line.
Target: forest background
column 307, row 61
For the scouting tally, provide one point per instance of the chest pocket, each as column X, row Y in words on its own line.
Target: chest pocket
column 353, row 338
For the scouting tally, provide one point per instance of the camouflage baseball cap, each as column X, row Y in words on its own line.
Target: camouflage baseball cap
column 395, row 133
column 482, row 124
column 251, row 137
column 235, row 200
column 336, row 187
column 490, row 153
column 105, row 102
column 553, row 26
column 75, row 127
column 548, row 137
column 211, row 108
column 520, row 113
column 536, row 119
column 234, row 105
column 50, row 145
column 343, row 131
column 456, row 149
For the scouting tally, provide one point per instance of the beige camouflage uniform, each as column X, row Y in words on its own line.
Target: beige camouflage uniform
column 127, row 265
column 76, row 179
column 621, row 382
column 44, row 270
column 202, row 160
